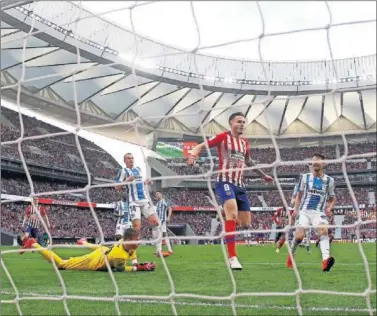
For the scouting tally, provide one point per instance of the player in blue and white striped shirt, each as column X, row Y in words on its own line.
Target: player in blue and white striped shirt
column 314, row 189
column 164, row 212
column 139, row 202
column 122, row 214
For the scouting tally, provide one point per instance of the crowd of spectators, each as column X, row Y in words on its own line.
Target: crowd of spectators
column 371, row 177
column 268, row 156
column 176, row 196
column 65, row 221
column 61, row 152
column 366, row 230
column 180, row 167
column 200, row 222
column 55, row 151
column 68, row 221
column 197, row 198
column 20, row 186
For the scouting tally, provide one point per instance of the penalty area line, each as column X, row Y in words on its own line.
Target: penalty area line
column 209, row 304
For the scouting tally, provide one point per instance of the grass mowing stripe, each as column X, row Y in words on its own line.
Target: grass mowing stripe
column 255, row 306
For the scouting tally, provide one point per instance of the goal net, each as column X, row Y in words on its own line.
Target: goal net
column 66, row 25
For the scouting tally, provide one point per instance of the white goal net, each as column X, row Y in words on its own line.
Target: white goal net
column 78, row 27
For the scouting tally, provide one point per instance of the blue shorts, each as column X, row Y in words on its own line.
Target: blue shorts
column 227, row 191
column 32, row 231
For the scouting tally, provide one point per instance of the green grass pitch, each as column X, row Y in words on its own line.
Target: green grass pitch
column 197, row 270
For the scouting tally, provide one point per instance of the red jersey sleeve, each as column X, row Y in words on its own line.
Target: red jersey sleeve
column 27, row 213
column 43, row 211
column 215, row 141
column 275, row 218
column 276, row 215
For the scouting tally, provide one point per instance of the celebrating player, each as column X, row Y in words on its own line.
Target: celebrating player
column 122, row 214
column 164, row 214
column 314, row 189
column 117, row 256
column 32, row 221
column 137, row 196
column 234, row 154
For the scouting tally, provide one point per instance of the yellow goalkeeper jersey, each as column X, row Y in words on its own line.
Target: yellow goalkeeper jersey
column 95, row 261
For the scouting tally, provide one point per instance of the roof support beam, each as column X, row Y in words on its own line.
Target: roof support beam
column 173, row 107
column 362, row 109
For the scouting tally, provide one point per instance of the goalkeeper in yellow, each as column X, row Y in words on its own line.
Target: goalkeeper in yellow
column 117, row 256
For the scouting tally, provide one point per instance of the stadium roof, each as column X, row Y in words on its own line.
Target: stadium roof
column 171, row 101
column 231, row 29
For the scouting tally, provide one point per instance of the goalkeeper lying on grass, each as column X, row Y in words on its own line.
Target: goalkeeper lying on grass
column 117, row 255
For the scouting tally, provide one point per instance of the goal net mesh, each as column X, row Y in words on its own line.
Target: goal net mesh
column 136, row 123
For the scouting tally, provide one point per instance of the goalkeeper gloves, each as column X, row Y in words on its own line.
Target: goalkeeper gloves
column 146, row 266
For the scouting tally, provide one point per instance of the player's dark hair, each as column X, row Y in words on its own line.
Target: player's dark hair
column 232, row 116
column 131, row 234
column 159, row 191
column 322, row 157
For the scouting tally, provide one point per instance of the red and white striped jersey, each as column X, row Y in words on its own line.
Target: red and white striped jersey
column 233, row 152
column 280, row 215
column 32, row 218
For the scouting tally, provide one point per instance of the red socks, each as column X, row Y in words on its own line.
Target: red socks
column 230, row 227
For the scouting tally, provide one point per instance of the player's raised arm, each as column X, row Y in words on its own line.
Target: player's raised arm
column 250, row 163
column 212, row 142
column 147, row 181
column 276, row 216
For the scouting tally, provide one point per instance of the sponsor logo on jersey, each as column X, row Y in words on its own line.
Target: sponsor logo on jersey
column 317, row 192
column 234, row 154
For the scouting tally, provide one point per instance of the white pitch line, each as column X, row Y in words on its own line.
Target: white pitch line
column 255, row 306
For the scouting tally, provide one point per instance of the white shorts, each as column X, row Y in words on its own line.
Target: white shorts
column 163, row 227
column 141, row 207
column 120, row 229
column 308, row 218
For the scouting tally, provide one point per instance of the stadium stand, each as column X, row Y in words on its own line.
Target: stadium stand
column 59, row 155
column 75, row 222
column 54, row 152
